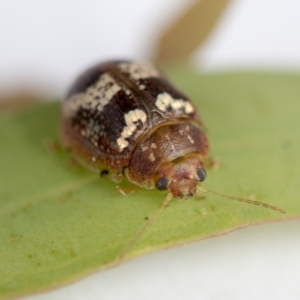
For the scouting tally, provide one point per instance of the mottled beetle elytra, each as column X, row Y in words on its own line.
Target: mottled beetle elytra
column 125, row 119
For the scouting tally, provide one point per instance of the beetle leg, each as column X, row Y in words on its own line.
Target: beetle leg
column 125, row 190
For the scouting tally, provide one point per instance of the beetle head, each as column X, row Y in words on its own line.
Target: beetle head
column 181, row 175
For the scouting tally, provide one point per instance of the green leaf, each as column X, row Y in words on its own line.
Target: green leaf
column 59, row 222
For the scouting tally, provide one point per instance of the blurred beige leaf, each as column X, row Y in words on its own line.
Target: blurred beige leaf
column 18, row 101
column 189, row 31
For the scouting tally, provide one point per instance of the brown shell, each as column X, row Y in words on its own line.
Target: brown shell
column 168, row 142
column 111, row 110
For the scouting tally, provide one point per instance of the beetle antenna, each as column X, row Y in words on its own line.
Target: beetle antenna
column 134, row 240
column 258, row 203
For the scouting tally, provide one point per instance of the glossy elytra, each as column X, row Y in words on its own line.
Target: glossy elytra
column 124, row 118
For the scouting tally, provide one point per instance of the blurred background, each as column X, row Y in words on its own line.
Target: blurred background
column 45, row 44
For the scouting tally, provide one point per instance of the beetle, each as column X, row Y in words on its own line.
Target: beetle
column 125, row 119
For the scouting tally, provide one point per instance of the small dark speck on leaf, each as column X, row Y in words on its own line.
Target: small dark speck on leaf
column 27, row 206
column 72, row 253
column 286, row 144
column 52, row 146
column 72, row 164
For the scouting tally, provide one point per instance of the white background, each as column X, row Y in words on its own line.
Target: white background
column 45, row 44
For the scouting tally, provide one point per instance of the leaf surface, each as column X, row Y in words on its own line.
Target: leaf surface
column 59, row 222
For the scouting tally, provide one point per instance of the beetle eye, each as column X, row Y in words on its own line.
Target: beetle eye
column 162, row 183
column 201, row 174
